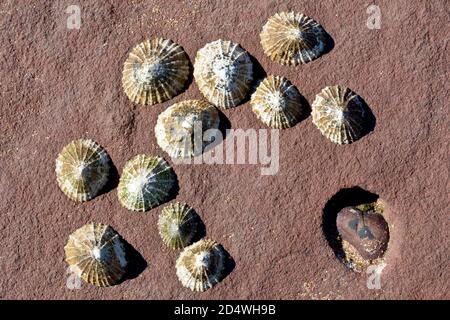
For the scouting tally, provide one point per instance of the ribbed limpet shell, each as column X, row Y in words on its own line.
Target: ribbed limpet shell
column 145, row 183
column 96, row 254
column 179, row 129
column 277, row 103
column 201, row 265
column 339, row 113
column 82, row 169
column 178, row 225
column 292, row 38
column 155, row 71
column 223, row 72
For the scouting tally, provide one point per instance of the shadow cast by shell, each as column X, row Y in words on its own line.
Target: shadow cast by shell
column 230, row 264
column 200, row 231
column 369, row 119
column 306, row 109
column 328, row 43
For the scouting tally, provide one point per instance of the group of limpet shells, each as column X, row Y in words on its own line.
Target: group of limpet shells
column 201, row 264
column 83, row 170
column 157, row 70
column 96, row 253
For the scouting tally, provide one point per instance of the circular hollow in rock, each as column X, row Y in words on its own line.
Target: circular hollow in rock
column 355, row 226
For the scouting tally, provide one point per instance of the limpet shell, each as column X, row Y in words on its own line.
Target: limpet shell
column 179, row 129
column 177, row 225
column 292, row 38
column 155, row 71
column 145, row 183
column 96, row 254
column 339, row 114
column 82, row 169
column 223, row 72
column 277, row 103
column 201, row 265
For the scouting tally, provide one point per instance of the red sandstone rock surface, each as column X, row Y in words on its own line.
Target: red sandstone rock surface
column 58, row 84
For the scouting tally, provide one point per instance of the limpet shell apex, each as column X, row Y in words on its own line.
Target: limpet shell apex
column 177, row 225
column 291, row 38
column 277, row 103
column 145, row 183
column 339, row 114
column 96, row 254
column 201, row 265
column 155, row 71
column 179, row 129
column 82, row 169
column 223, row 72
